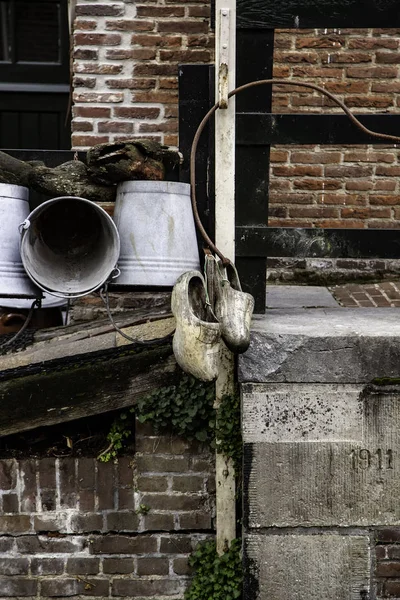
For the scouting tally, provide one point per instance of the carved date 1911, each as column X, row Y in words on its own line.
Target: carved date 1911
column 361, row 458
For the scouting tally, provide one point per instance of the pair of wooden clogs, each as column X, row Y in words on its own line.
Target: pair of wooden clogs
column 209, row 312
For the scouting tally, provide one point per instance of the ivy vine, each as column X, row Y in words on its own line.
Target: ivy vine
column 216, row 577
column 120, row 431
column 228, row 429
column 186, row 409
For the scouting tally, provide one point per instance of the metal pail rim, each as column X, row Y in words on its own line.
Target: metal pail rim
column 23, row 243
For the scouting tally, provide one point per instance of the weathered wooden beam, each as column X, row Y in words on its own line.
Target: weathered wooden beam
column 269, row 14
column 74, row 372
column 72, row 387
column 317, row 242
column 258, row 129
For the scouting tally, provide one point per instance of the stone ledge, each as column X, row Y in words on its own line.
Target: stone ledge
column 333, row 345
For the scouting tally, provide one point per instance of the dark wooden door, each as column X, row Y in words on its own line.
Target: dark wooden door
column 34, row 74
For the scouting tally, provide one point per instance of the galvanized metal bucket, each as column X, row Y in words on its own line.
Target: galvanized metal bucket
column 156, row 227
column 14, row 208
column 69, row 246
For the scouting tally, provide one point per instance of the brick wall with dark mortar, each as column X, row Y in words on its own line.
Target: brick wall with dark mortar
column 327, row 271
column 337, row 186
column 126, row 58
column 72, row 527
column 387, row 555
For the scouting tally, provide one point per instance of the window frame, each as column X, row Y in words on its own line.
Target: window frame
column 37, row 72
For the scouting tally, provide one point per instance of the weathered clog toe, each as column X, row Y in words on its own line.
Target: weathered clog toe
column 233, row 309
column 197, row 339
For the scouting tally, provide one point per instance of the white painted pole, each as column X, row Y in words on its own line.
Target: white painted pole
column 225, row 52
column 71, row 15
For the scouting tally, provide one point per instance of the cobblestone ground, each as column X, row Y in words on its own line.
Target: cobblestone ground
column 382, row 294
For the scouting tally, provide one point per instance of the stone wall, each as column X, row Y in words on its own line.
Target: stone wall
column 320, row 404
column 72, row 527
column 327, row 271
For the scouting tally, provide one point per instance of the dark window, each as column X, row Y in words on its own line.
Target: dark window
column 34, row 74
column 37, row 32
column 34, row 41
column 5, row 44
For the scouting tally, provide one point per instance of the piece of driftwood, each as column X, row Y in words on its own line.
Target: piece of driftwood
column 131, row 160
column 70, row 179
column 14, row 171
column 107, row 165
column 70, row 373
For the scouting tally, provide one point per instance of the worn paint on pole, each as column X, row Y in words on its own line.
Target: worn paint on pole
column 225, row 239
column 71, row 15
column 225, row 128
column 224, row 468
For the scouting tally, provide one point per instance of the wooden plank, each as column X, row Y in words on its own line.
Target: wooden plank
column 79, row 386
column 71, row 372
column 49, row 129
column 255, row 52
column 266, row 14
column 260, row 129
column 9, row 128
column 62, row 342
column 224, row 185
column 195, row 84
column 316, row 242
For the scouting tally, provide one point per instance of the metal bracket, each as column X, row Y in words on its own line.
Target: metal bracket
column 223, row 58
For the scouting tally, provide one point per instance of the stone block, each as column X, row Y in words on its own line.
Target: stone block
column 313, row 567
column 302, row 412
column 323, row 346
column 321, row 455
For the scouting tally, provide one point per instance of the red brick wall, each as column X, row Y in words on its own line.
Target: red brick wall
column 340, row 186
column 73, row 527
column 126, row 58
column 387, row 554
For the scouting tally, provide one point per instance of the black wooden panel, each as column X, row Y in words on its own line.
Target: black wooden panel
column 254, row 61
column 254, row 58
column 49, row 126
column 9, row 129
column 252, row 158
column 260, row 129
column 253, row 273
column 34, row 120
column 303, row 14
column 29, row 129
column 316, row 242
column 195, row 99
